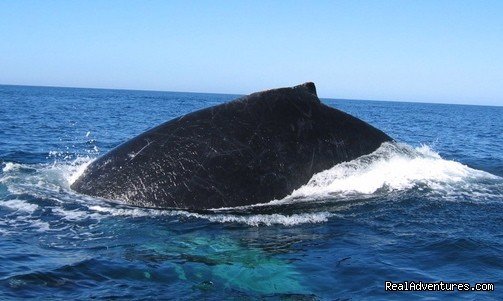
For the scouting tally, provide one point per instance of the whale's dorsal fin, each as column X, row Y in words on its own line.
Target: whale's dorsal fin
column 309, row 86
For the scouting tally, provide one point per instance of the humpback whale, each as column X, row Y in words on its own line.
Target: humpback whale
column 251, row 150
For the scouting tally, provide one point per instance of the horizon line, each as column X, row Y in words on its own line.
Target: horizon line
column 221, row 93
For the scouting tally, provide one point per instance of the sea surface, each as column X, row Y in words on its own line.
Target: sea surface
column 428, row 208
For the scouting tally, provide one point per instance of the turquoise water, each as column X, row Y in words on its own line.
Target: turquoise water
column 428, row 208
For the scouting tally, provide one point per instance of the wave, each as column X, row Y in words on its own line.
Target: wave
column 251, row 220
column 55, row 176
column 20, row 206
column 396, row 167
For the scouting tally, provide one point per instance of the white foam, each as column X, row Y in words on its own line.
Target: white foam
column 252, row 220
column 77, row 168
column 10, row 166
column 271, row 219
column 53, row 177
column 40, row 225
column 19, row 205
column 128, row 212
column 391, row 167
column 71, row 215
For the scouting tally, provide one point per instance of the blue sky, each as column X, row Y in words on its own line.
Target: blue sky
column 430, row 51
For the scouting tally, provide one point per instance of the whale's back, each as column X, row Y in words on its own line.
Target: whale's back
column 251, row 150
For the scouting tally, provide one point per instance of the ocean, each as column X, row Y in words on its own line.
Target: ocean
column 426, row 209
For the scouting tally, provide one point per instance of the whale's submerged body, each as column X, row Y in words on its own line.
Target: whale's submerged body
column 251, row 150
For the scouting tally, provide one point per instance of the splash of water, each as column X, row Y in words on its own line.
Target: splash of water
column 395, row 167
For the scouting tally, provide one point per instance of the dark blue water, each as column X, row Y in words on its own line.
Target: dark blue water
column 429, row 208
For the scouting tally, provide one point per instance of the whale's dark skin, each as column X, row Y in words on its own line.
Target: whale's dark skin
column 251, row 150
